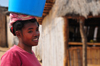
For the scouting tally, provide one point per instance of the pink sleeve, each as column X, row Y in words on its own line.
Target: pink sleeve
column 10, row 59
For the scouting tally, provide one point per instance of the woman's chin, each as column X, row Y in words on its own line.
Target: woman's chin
column 35, row 44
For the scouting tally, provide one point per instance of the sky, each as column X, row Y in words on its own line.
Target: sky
column 4, row 3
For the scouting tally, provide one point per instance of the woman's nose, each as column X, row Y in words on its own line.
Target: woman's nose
column 36, row 34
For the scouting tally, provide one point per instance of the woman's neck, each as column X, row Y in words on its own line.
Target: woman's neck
column 25, row 47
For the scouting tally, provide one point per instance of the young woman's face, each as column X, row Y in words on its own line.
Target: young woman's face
column 30, row 34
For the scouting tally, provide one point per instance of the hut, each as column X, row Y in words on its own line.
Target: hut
column 3, row 24
column 68, row 36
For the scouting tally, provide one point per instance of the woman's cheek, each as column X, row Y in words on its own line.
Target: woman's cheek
column 39, row 33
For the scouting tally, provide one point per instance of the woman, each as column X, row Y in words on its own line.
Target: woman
column 26, row 28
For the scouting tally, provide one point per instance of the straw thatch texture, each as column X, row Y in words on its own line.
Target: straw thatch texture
column 78, row 7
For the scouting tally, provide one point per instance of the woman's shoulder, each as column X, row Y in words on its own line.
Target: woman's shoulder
column 10, row 56
column 12, row 51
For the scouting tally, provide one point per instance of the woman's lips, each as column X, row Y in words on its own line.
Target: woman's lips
column 35, row 39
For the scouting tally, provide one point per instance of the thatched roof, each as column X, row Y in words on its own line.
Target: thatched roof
column 47, row 8
column 78, row 7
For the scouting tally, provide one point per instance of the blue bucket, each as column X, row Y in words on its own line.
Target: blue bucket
column 28, row 7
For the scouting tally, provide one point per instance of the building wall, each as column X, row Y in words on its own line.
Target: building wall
column 52, row 40
column 3, row 40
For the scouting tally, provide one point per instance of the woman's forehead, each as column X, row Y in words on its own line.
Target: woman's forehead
column 30, row 25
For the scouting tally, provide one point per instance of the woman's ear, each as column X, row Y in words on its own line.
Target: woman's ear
column 18, row 33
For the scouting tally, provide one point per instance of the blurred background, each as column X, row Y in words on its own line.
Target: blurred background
column 69, row 33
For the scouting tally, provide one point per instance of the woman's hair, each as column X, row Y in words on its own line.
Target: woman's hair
column 18, row 25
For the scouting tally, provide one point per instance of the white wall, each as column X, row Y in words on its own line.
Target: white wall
column 52, row 40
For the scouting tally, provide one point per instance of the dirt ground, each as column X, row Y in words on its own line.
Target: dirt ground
column 2, row 51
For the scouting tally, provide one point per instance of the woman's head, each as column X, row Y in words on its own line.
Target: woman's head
column 27, row 31
column 18, row 25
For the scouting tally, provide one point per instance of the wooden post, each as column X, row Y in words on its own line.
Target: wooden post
column 84, row 41
column 66, row 38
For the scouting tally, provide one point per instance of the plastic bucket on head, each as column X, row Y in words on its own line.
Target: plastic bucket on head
column 28, row 7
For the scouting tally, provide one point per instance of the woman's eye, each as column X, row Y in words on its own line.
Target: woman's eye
column 29, row 31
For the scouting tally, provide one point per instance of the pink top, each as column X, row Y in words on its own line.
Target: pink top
column 19, row 57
